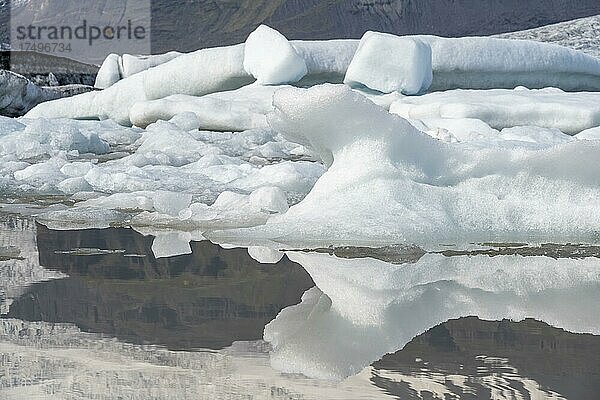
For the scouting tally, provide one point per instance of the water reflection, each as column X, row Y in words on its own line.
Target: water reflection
column 364, row 308
column 115, row 286
column 473, row 359
column 103, row 315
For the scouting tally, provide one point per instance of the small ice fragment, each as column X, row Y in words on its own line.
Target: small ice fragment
column 171, row 244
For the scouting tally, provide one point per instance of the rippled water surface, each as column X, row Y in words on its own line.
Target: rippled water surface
column 94, row 314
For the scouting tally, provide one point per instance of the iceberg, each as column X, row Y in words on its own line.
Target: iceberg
column 405, row 68
column 269, row 58
column 571, row 113
column 388, row 182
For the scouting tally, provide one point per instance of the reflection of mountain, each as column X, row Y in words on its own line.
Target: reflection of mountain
column 209, row 298
column 485, row 355
column 19, row 261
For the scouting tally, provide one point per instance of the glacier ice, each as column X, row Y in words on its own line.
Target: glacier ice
column 390, row 63
column 459, row 165
column 271, row 59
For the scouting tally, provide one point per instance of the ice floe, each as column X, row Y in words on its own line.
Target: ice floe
column 227, row 130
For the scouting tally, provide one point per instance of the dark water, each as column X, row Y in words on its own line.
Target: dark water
column 94, row 314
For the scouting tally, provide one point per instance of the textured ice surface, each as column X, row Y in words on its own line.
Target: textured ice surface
column 501, row 108
column 168, row 174
column 589, row 134
column 116, row 67
column 326, row 60
column 389, row 182
column 463, row 164
column 271, row 59
column 474, row 62
column 390, row 63
column 364, row 308
column 109, row 72
column 235, row 110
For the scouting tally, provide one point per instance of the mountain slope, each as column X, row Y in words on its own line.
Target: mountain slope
column 581, row 34
column 218, row 22
column 191, row 24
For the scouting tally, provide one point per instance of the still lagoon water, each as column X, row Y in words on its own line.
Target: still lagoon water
column 95, row 314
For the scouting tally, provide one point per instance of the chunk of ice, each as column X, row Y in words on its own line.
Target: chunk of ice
column 390, row 63
column 271, row 59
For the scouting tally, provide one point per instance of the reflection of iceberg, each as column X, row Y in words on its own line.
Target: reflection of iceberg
column 364, row 308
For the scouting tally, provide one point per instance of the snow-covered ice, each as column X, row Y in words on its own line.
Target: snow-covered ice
column 235, row 110
column 201, row 72
column 488, row 63
column 326, row 60
column 224, row 135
